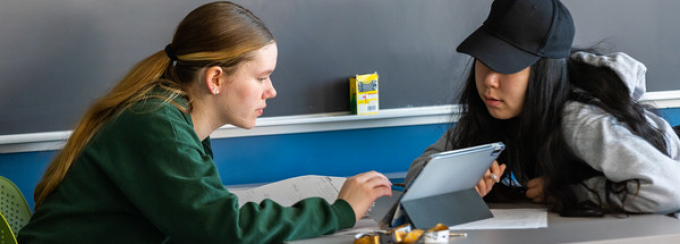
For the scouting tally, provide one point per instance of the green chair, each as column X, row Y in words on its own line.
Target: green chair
column 13, row 206
column 6, row 235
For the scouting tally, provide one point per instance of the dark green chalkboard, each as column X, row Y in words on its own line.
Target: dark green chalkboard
column 57, row 56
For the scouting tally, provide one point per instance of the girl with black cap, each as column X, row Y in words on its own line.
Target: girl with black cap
column 576, row 137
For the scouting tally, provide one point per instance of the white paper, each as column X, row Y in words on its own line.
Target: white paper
column 290, row 191
column 364, row 225
column 509, row 219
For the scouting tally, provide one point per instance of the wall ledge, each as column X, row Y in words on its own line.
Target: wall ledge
column 441, row 114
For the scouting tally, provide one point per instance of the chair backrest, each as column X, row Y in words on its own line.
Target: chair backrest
column 6, row 235
column 13, row 205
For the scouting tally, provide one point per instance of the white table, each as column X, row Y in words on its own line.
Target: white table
column 647, row 229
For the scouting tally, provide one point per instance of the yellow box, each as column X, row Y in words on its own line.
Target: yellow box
column 363, row 94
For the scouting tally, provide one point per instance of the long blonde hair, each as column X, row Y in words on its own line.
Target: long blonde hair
column 216, row 34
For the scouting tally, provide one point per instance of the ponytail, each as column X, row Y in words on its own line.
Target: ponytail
column 134, row 87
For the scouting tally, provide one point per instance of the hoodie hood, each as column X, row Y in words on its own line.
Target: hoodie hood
column 631, row 71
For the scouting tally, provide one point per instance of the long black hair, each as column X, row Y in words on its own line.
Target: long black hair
column 534, row 139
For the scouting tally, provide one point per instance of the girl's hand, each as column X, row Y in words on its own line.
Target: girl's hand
column 535, row 190
column 491, row 177
column 362, row 190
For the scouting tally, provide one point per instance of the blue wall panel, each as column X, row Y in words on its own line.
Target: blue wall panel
column 247, row 160
column 672, row 115
column 25, row 170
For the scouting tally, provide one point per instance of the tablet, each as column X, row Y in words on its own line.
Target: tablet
column 444, row 190
column 453, row 171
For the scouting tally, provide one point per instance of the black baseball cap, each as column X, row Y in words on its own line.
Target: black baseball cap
column 519, row 32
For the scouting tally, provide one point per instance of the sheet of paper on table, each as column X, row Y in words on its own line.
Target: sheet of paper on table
column 509, row 219
column 290, row 191
column 364, row 225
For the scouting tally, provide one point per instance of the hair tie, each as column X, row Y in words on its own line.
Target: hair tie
column 170, row 53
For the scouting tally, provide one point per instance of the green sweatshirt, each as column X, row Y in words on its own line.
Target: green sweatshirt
column 147, row 178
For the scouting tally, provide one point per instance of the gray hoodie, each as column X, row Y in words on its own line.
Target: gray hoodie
column 608, row 146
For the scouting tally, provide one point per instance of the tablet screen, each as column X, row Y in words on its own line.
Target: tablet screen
column 453, row 171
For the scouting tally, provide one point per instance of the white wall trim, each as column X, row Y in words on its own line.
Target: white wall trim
column 662, row 99
column 342, row 121
column 267, row 126
column 309, row 123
